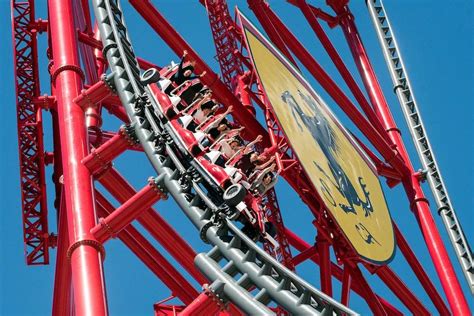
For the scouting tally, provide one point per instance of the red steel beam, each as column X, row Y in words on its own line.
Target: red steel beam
column 154, row 224
column 304, row 255
column 418, row 201
column 101, row 157
column 94, row 94
column 110, row 226
column 368, row 294
column 275, row 37
column 85, row 253
column 331, row 20
column 145, row 251
column 325, row 264
column 222, row 94
column 401, row 291
column 346, row 286
column 204, row 304
column 420, row 273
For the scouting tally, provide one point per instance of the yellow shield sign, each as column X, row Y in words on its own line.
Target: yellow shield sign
column 339, row 170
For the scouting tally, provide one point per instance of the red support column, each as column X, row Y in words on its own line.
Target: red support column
column 85, row 253
column 325, row 264
column 274, row 35
column 418, row 202
column 110, row 226
column 346, row 286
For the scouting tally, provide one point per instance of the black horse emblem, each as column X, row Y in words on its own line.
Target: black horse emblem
column 325, row 136
column 365, row 234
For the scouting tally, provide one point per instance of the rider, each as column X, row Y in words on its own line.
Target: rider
column 229, row 147
column 184, row 73
column 207, row 107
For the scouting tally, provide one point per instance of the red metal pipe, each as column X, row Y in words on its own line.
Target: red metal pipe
column 331, row 20
column 304, row 255
column 274, row 36
column 260, row 7
column 420, row 273
column 220, row 90
column 204, row 304
column 145, row 251
column 325, row 264
column 154, row 224
column 104, row 136
column 110, row 226
column 346, row 286
column 375, row 305
column 84, row 252
column 62, row 276
column 401, row 291
column 418, row 202
column 301, row 245
column 95, row 94
column 101, row 157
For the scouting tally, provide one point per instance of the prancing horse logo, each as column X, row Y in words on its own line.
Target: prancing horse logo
column 325, row 136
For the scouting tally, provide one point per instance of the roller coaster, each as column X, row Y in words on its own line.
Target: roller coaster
column 218, row 145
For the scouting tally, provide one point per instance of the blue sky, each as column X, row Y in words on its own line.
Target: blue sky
column 437, row 44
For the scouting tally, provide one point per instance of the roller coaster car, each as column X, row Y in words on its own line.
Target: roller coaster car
column 174, row 104
column 225, row 176
column 214, row 164
column 193, row 139
column 169, row 104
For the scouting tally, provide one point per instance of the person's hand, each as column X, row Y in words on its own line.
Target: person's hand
column 259, row 138
column 272, row 166
column 203, row 74
column 185, row 53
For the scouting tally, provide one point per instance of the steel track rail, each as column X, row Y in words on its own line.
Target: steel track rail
column 406, row 97
column 241, row 257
